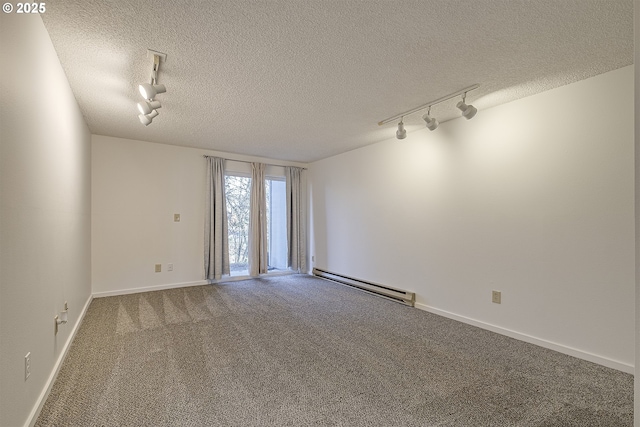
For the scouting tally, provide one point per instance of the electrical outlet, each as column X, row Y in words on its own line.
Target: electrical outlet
column 27, row 366
column 169, row 267
column 158, row 268
column 496, row 297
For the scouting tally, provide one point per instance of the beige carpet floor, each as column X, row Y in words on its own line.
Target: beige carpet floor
column 300, row 351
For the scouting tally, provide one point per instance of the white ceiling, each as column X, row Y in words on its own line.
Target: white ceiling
column 302, row 80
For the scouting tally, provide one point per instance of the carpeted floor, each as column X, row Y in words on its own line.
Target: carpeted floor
column 300, row 351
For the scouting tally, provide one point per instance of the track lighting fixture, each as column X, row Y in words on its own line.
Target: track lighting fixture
column 432, row 123
column 401, row 133
column 149, row 91
column 148, row 108
column 468, row 111
column 146, row 119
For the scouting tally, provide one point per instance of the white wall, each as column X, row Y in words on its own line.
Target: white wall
column 45, row 172
column 534, row 198
column 636, row 8
column 137, row 187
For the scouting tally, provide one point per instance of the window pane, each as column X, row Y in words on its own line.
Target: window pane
column 238, row 192
column 276, row 223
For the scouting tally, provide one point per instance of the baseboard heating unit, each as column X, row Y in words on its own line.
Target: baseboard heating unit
column 398, row 295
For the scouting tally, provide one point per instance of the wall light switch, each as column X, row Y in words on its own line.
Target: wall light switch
column 158, row 268
column 169, row 267
column 176, row 217
column 27, row 366
column 496, row 297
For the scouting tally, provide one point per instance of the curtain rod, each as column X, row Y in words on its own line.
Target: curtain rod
column 246, row 161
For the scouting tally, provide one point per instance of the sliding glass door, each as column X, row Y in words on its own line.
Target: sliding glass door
column 238, row 193
column 276, row 223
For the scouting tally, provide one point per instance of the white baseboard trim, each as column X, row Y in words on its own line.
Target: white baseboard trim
column 35, row 412
column 185, row 284
column 148, row 289
column 580, row 354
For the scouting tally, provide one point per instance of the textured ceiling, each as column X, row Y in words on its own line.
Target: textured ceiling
column 302, row 80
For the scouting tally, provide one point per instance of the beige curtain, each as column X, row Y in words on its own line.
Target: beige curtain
column 295, row 220
column 257, row 222
column 216, row 242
